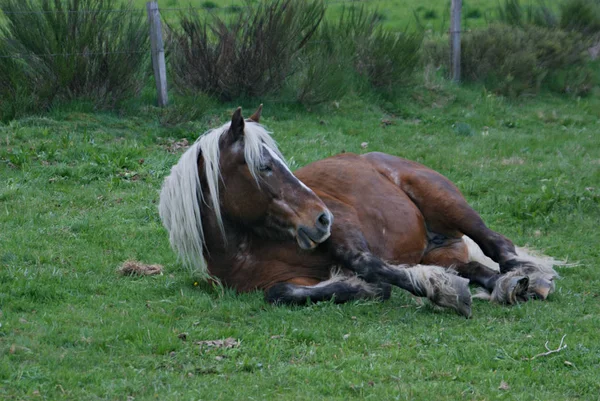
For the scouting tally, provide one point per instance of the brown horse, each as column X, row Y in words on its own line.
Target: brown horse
column 343, row 228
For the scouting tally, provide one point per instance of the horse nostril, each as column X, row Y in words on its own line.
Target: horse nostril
column 323, row 220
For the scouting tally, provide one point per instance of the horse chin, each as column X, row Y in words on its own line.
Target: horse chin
column 307, row 243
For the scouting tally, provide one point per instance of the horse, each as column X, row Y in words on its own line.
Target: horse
column 344, row 228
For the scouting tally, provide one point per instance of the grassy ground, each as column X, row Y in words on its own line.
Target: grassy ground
column 78, row 197
column 395, row 14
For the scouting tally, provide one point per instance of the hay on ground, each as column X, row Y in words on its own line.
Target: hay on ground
column 136, row 268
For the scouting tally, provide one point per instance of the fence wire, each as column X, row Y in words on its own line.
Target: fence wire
column 124, row 12
column 171, row 9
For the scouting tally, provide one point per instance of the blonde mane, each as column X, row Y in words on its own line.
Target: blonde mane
column 181, row 193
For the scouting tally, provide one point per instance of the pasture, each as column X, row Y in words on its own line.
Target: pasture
column 80, row 197
column 396, row 14
column 79, row 192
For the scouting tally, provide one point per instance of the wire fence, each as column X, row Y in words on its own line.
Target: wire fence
column 156, row 12
column 173, row 9
column 125, row 12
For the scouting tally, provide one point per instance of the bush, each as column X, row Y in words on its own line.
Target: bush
column 322, row 76
column 511, row 12
column 106, row 53
column 385, row 60
column 283, row 47
column 512, row 60
column 581, row 16
column 250, row 55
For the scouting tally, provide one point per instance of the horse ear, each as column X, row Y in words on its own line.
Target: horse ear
column 236, row 129
column 256, row 116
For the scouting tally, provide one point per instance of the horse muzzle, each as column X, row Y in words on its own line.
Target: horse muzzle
column 310, row 237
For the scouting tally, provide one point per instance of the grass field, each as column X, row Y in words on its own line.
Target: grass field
column 395, row 14
column 78, row 197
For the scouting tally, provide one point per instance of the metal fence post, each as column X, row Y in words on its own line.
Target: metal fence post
column 158, row 53
column 455, row 15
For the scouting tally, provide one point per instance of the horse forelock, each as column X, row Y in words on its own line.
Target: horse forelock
column 181, row 194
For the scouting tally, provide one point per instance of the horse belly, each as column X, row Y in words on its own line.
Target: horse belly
column 393, row 226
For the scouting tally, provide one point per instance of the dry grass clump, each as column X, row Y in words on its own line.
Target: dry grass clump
column 135, row 268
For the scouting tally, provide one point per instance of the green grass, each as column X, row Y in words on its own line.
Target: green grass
column 78, row 197
column 396, row 14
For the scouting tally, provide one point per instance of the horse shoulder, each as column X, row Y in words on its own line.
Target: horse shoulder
column 263, row 263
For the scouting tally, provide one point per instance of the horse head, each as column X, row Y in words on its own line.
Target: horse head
column 237, row 173
column 260, row 191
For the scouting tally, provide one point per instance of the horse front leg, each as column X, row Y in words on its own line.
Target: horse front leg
column 339, row 288
column 437, row 284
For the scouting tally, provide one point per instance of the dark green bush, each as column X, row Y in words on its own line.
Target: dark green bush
column 581, row 16
column 209, row 5
column 284, row 47
column 430, row 14
column 249, row 55
column 512, row 12
column 473, row 13
column 389, row 59
column 322, row 76
column 383, row 59
column 513, row 60
column 105, row 53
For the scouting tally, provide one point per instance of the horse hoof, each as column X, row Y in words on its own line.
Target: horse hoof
column 540, row 286
column 278, row 294
column 511, row 289
column 541, row 279
column 460, row 297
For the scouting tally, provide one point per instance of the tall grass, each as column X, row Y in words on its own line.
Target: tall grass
column 63, row 53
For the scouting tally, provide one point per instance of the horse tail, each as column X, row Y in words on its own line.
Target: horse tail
column 537, row 267
column 524, row 255
column 477, row 255
column 179, row 210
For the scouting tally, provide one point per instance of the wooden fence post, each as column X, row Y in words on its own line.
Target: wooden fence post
column 455, row 15
column 158, row 53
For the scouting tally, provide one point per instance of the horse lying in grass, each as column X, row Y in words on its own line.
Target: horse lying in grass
column 343, row 228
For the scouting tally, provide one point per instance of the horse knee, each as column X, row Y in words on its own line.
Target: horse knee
column 280, row 293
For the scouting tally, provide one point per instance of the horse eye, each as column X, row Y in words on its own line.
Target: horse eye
column 264, row 168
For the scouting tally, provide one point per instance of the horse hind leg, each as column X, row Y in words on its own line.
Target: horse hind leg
column 508, row 288
column 448, row 214
column 339, row 288
column 539, row 269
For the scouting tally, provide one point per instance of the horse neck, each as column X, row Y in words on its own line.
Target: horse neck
column 219, row 245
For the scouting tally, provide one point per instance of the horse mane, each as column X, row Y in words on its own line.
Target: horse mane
column 181, row 193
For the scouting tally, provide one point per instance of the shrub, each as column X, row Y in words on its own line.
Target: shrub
column 474, row 13
column 389, row 59
column 511, row 12
column 383, row 59
column 105, row 52
column 430, row 14
column 512, row 60
column 581, row 16
column 248, row 55
column 209, row 5
column 322, row 76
